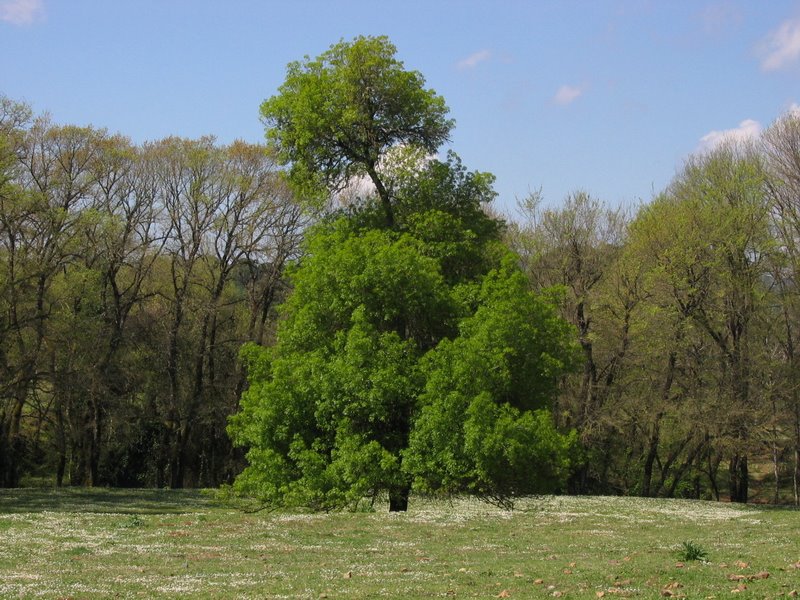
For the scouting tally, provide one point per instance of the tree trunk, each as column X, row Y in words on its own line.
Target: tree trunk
column 61, row 444
column 775, row 449
column 652, row 453
column 12, row 444
column 655, row 436
column 4, row 450
column 678, row 474
column 398, row 499
column 175, row 459
column 776, row 472
column 94, row 443
column 739, row 478
column 713, row 463
column 796, row 477
column 383, row 194
column 796, row 474
column 6, row 459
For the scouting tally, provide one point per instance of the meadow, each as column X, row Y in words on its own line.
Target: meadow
column 107, row 543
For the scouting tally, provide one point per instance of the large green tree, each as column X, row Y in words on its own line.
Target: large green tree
column 385, row 374
column 406, row 310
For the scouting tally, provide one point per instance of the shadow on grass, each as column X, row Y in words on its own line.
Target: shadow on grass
column 104, row 500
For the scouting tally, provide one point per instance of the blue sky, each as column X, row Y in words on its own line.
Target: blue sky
column 607, row 96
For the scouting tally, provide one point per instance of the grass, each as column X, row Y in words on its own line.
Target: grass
column 168, row 544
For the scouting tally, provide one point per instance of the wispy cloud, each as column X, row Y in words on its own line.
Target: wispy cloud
column 473, row 60
column 567, row 94
column 747, row 130
column 21, row 12
column 781, row 47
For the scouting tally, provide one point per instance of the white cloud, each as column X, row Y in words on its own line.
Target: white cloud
column 21, row 12
column 781, row 47
column 396, row 162
column 474, row 59
column 747, row 130
column 567, row 94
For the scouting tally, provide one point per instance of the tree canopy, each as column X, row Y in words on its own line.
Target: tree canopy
column 336, row 116
column 379, row 358
column 411, row 351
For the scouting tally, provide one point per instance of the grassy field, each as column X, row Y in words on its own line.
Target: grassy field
column 180, row 544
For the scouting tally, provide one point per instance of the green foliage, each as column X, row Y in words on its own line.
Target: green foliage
column 476, row 431
column 372, row 334
column 442, row 204
column 335, row 116
column 328, row 411
column 392, row 305
column 99, row 240
column 705, row 245
column 389, row 274
column 690, row 551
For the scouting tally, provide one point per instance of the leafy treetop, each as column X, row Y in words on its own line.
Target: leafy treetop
column 336, row 116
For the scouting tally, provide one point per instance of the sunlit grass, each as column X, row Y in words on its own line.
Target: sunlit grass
column 170, row 544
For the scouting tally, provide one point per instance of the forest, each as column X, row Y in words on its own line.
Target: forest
column 130, row 278
column 146, row 290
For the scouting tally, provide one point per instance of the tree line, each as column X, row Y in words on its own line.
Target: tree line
column 423, row 342
column 686, row 311
column 129, row 278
